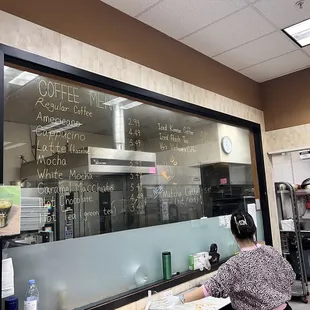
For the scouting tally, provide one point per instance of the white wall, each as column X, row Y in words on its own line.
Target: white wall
column 290, row 168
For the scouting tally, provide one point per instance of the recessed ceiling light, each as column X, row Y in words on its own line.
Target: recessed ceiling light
column 46, row 127
column 300, row 33
column 131, row 105
column 23, row 78
column 66, row 128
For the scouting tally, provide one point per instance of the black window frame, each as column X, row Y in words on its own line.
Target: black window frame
column 32, row 61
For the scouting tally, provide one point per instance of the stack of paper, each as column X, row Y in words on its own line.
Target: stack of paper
column 7, row 278
column 33, row 213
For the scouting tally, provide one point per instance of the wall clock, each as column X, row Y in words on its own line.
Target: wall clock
column 226, row 145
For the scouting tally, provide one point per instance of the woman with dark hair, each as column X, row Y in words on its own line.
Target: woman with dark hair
column 257, row 278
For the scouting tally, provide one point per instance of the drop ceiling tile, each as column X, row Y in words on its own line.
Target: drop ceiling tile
column 276, row 67
column 178, row 18
column 131, row 7
column 230, row 32
column 265, row 48
column 283, row 13
column 307, row 50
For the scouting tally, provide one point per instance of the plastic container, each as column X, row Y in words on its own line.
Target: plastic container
column 11, row 303
column 31, row 301
column 287, row 225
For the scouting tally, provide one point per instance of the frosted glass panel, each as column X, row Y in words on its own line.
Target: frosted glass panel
column 260, row 226
column 101, row 266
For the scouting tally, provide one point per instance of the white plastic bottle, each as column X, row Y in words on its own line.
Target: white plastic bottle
column 31, row 301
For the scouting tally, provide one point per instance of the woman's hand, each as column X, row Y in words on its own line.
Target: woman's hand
column 196, row 294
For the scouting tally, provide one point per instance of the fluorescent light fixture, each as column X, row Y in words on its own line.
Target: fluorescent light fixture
column 300, row 33
column 131, row 105
column 23, row 78
column 14, row 146
column 46, row 127
column 66, row 128
column 6, row 143
column 115, row 101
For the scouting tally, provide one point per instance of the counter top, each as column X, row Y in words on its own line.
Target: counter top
column 208, row 303
column 128, row 297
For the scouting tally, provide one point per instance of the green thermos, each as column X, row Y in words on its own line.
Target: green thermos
column 166, row 257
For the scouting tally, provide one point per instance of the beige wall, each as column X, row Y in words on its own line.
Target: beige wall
column 27, row 36
column 290, row 138
column 106, row 28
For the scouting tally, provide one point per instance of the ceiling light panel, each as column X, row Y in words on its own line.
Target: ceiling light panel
column 131, row 7
column 14, row 146
column 23, row 78
column 300, row 33
column 66, row 128
column 131, row 105
column 178, row 18
column 115, row 101
column 46, row 127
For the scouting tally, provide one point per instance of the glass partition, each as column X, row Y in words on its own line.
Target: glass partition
column 95, row 163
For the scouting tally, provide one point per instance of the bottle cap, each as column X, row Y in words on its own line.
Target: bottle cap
column 32, row 282
column 166, row 253
column 11, row 299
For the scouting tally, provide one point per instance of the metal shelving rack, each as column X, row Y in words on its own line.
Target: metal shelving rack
column 294, row 237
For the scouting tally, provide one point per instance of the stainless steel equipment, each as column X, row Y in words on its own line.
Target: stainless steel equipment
column 91, row 161
column 306, row 184
column 292, row 241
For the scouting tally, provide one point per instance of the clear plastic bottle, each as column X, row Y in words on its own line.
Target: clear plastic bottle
column 31, row 301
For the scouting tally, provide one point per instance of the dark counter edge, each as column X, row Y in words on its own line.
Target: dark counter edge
column 136, row 294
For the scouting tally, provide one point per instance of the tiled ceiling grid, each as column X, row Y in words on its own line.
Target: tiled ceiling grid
column 244, row 35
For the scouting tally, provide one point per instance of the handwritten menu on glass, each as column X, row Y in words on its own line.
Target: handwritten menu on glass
column 135, row 190
column 175, row 139
column 58, row 138
column 76, row 130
